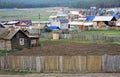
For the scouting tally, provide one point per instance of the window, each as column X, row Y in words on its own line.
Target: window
column 21, row 41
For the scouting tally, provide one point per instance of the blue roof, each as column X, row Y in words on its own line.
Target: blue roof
column 63, row 20
column 90, row 18
column 54, row 28
column 100, row 12
column 116, row 15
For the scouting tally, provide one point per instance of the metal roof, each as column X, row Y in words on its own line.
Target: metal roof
column 75, row 23
column 88, row 23
column 63, row 20
column 103, row 18
column 74, row 12
column 54, row 27
column 90, row 18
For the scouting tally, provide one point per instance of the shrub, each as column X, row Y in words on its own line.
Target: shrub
column 48, row 30
column 19, row 48
column 40, row 45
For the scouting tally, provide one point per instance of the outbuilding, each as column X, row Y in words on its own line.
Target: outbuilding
column 104, row 22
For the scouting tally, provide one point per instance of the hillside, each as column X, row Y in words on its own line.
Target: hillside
column 54, row 3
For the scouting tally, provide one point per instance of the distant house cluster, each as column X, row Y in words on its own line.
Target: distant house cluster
column 87, row 19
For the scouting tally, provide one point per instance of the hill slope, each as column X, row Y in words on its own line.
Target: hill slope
column 53, row 3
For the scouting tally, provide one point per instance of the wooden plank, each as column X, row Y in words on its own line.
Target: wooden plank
column 51, row 64
column 94, row 64
column 38, row 65
column 83, row 61
column 2, row 62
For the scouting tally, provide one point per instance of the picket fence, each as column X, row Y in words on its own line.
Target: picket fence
column 61, row 64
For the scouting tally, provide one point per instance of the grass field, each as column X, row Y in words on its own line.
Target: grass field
column 28, row 14
column 110, row 33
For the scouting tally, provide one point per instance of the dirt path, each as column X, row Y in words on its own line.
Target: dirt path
column 67, row 75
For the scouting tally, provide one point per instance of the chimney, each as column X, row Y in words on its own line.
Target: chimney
column 11, row 29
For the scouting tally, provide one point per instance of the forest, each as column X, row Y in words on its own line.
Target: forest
column 58, row 3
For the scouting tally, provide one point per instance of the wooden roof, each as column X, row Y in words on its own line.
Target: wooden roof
column 3, row 32
column 6, row 34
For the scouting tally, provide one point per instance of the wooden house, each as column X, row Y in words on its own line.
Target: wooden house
column 1, row 26
column 118, row 25
column 34, row 35
column 13, row 39
column 76, row 24
column 41, row 25
column 23, row 24
column 104, row 22
column 62, row 23
column 18, row 24
column 7, row 24
column 74, row 15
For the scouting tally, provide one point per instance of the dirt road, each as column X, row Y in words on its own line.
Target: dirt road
column 67, row 75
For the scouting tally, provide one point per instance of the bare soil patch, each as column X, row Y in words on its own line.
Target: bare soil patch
column 71, row 49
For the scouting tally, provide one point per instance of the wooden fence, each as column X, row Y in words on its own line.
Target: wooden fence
column 67, row 64
column 84, row 37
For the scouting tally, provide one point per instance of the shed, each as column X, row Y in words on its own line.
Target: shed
column 102, row 22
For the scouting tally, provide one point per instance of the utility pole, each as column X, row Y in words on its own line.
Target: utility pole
column 39, row 16
column 39, row 24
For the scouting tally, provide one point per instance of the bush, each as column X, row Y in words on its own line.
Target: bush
column 48, row 30
column 40, row 45
column 5, row 51
column 19, row 48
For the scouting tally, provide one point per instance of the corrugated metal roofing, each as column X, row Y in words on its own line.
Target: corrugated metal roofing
column 90, row 18
column 74, row 12
column 54, row 28
column 88, row 23
column 103, row 18
column 63, row 20
column 75, row 23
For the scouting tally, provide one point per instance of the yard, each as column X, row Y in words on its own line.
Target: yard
column 71, row 48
